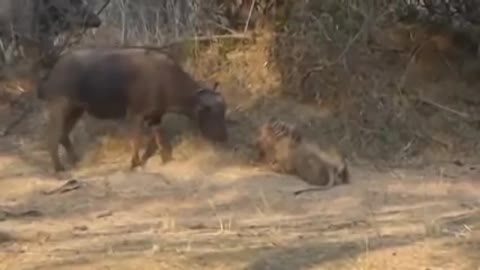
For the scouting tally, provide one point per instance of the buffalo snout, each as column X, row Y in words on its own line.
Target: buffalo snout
column 213, row 128
column 210, row 115
column 216, row 133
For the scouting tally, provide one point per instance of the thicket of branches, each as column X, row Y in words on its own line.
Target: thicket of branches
column 157, row 20
column 455, row 12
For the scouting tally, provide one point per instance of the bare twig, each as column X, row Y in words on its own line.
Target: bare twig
column 69, row 40
column 103, row 7
column 215, row 37
column 249, row 15
column 15, row 122
column 411, row 60
column 341, row 56
column 431, row 138
column 309, row 72
column 349, row 44
column 196, row 39
column 19, row 118
column 223, row 27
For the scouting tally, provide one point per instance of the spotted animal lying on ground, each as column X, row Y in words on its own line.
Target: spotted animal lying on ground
column 282, row 146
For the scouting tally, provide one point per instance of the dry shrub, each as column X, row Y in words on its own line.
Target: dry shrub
column 437, row 50
column 377, row 106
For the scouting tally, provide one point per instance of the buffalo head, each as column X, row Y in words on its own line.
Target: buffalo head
column 56, row 16
column 209, row 113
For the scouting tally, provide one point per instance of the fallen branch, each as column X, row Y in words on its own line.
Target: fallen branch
column 196, row 39
column 444, row 108
column 70, row 185
column 104, row 214
column 26, row 213
column 433, row 139
column 298, row 192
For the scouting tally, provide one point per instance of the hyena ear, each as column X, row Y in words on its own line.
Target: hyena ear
column 272, row 119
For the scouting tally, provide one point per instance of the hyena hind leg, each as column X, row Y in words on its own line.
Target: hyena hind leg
column 334, row 178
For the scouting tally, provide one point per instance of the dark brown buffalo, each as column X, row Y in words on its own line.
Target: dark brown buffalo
column 140, row 85
column 38, row 22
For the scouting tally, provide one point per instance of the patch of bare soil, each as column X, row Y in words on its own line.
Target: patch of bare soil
column 207, row 212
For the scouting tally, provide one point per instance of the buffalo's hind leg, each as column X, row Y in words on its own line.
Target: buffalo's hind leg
column 136, row 134
column 58, row 122
column 54, row 134
column 71, row 119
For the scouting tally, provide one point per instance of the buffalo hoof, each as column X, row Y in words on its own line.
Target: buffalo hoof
column 63, row 176
column 132, row 167
column 73, row 159
column 59, row 168
column 137, row 167
column 166, row 157
column 135, row 162
column 133, row 170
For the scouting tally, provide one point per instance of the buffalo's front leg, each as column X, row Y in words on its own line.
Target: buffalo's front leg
column 158, row 140
column 136, row 134
column 163, row 142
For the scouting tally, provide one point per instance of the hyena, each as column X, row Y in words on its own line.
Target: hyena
column 283, row 147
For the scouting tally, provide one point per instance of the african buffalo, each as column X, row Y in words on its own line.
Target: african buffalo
column 38, row 22
column 138, row 84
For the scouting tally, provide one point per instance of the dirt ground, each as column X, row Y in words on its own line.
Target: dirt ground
column 209, row 212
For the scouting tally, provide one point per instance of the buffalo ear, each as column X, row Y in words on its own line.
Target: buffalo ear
column 207, row 98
